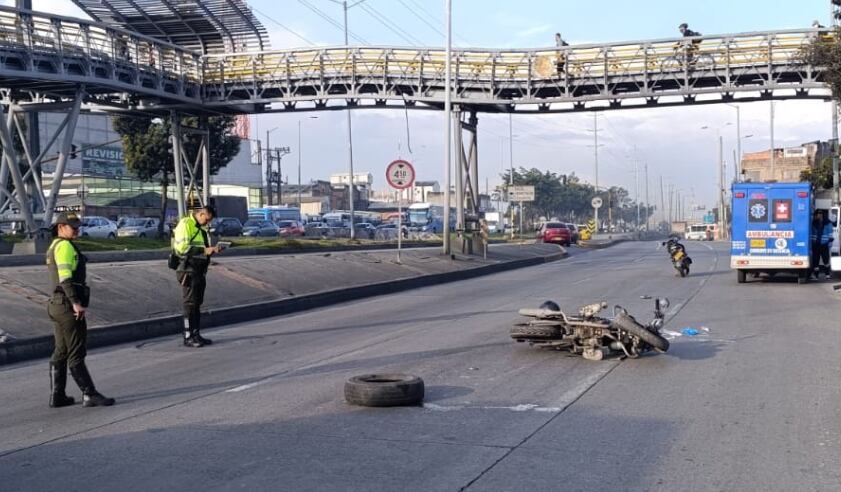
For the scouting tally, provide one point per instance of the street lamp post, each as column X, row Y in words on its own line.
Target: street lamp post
column 721, row 222
column 738, row 141
column 511, row 175
column 345, row 8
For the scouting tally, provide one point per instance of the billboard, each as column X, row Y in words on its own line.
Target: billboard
column 103, row 161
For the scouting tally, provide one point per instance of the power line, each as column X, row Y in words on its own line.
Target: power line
column 255, row 9
column 416, row 14
column 338, row 25
column 390, row 25
column 435, row 19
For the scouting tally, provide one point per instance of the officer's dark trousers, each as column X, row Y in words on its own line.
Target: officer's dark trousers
column 820, row 258
column 70, row 333
column 192, row 294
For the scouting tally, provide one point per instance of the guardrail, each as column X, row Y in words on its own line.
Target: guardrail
column 42, row 47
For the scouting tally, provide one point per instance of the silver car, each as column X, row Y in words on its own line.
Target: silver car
column 93, row 226
column 143, row 227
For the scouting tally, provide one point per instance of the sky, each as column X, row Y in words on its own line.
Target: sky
column 670, row 141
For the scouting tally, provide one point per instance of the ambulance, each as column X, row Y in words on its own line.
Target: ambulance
column 771, row 227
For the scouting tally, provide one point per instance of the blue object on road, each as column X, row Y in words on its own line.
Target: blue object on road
column 690, row 332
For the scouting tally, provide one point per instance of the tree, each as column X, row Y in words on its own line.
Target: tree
column 148, row 151
column 820, row 176
column 825, row 51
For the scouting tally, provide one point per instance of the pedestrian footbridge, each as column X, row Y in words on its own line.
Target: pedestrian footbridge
column 54, row 56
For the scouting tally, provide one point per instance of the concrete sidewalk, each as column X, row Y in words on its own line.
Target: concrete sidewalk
column 142, row 299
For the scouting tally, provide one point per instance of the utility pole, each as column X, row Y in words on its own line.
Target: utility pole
column 773, row 150
column 448, row 110
column 647, row 203
column 279, row 177
column 637, row 189
column 269, row 186
column 511, row 165
column 596, row 146
column 662, row 200
column 836, row 195
column 260, row 161
column 721, row 222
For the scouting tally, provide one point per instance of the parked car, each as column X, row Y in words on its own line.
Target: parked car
column 290, row 228
column 573, row 231
column 316, row 229
column 93, row 226
column 226, row 227
column 260, row 228
column 365, row 230
column 555, row 232
column 139, row 227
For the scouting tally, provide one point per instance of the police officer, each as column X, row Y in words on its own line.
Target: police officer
column 191, row 244
column 70, row 297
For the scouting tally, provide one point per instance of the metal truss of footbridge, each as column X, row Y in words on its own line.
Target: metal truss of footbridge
column 50, row 62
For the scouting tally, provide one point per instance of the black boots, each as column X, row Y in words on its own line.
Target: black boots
column 91, row 397
column 192, row 335
column 58, row 382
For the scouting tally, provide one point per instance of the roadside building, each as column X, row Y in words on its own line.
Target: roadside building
column 97, row 181
column 788, row 162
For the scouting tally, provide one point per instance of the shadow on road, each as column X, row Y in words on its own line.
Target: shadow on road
column 695, row 349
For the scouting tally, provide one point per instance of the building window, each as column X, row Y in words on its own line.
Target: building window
column 255, row 197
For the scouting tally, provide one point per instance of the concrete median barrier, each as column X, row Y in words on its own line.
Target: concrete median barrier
column 39, row 346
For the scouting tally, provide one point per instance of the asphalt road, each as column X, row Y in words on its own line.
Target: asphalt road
column 753, row 405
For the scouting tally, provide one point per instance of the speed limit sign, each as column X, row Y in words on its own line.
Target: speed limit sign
column 400, row 174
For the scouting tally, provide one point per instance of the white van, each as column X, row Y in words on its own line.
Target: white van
column 697, row 232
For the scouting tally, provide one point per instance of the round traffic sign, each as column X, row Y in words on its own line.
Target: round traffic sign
column 596, row 202
column 400, row 174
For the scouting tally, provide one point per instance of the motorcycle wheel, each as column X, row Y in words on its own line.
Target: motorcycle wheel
column 527, row 331
column 626, row 322
column 684, row 271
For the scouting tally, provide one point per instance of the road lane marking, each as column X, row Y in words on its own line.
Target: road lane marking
column 523, row 407
column 245, row 387
column 570, row 396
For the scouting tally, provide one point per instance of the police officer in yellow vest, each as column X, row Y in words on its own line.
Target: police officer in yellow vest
column 67, row 305
column 191, row 244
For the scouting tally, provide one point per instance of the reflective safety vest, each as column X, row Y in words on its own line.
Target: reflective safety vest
column 189, row 238
column 67, row 266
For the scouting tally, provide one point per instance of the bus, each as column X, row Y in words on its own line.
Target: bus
column 426, row 217
column 275, row 213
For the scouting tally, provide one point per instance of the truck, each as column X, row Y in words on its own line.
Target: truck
column 771, row 229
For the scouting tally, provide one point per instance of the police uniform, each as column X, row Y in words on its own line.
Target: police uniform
column 188, row 243
column 67, row 267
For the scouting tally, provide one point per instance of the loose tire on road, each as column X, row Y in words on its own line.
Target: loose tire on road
column 384, row 390
column 627, row 323
column 536, row 332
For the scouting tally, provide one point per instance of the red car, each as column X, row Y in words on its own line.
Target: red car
column 290, row 228
column 555, row 232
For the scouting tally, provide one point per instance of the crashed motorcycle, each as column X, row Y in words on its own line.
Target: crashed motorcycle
column 590, row 334
column 680, row 260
